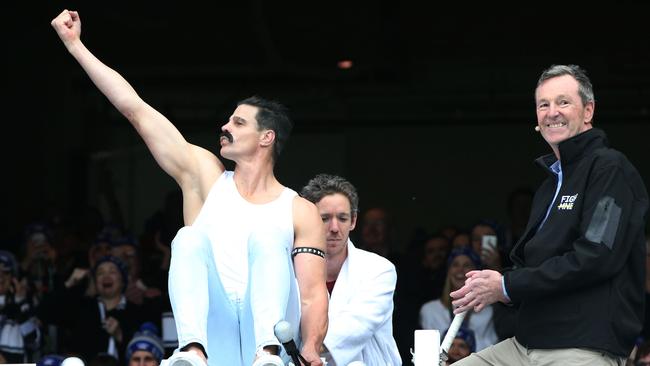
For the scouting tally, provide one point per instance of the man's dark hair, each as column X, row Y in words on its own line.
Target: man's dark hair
column 271, row 115
column 324, row 185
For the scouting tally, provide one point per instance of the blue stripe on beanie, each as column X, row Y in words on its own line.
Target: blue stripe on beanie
column 146, row 340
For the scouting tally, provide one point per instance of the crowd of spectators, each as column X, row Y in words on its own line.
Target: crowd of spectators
column 94, row 290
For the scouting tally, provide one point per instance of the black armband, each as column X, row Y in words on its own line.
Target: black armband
column 309, row 250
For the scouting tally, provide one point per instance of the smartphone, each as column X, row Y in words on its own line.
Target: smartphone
column 489, row 242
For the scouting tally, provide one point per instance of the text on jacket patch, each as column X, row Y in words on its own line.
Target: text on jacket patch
column 566, row 202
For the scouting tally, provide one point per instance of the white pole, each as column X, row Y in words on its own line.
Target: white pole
column 452, row 331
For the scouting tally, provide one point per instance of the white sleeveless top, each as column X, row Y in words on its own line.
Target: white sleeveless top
column 228, row 220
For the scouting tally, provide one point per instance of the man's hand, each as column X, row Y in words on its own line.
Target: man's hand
column 312, row 357
column 67, row 26
column 481, row 289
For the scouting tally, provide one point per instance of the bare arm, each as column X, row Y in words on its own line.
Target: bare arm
column 186, row 163
column 311, row 274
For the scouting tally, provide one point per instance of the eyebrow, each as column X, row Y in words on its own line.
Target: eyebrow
column 238, row 119
column 559, row 96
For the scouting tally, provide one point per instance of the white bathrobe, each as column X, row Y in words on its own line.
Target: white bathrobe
column 361, row 312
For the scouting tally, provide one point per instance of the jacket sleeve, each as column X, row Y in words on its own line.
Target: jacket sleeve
column 609, row 220
column 369, row 308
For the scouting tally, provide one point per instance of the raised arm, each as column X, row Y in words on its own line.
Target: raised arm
column 186, row 163
column 311, row 274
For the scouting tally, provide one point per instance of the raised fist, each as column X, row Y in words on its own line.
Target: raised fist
column 67, row 26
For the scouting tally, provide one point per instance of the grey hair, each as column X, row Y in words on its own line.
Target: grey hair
column 325, row 184
column 585, row 89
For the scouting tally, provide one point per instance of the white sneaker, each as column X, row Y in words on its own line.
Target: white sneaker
column 267, row 359
column 185, row 359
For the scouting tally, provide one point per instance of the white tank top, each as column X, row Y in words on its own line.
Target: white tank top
column 228, row 220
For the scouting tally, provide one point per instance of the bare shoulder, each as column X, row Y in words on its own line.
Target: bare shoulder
column 303, row 206
column 304, row 213
column 307, row 224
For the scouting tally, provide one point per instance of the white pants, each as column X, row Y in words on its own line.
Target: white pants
column 231, row 330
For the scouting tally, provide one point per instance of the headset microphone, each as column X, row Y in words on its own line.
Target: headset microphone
column 537, row 128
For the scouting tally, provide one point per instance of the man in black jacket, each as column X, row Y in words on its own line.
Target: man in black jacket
column 579, row 272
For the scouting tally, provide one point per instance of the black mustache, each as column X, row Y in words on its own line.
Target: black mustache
column 227, row 135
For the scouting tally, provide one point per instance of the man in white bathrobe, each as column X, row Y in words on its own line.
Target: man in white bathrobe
column 361, row 283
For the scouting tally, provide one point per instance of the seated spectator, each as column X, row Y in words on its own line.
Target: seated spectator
column 100, row 248
column 491, row 258
column 422, row 274
column 105, row 324
column 421, row 277
column 39, row 260
column 19, row 331
column 137, row 291
column 436, row 251
column 145, row 348
column 57, row 310
column 438, row 314
column 376, row 233
column 462, row 346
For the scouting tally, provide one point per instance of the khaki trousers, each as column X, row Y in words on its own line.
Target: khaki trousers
column 511, row 352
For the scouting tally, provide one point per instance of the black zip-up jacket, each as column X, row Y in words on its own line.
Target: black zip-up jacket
column 579, row 280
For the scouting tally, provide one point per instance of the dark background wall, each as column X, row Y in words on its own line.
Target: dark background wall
column 434, row 121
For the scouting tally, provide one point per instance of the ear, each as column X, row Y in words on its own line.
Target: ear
column 267, row 137
column 353, row 221
column 589, row 112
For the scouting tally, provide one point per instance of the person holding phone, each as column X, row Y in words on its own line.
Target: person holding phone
column 579, row 277
column 484, row 241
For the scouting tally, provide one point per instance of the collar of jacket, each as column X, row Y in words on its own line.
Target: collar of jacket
column 574, row 148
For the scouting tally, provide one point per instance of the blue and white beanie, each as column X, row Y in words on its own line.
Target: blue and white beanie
column 466, row 335
column 146, row 339
column 50, row 360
